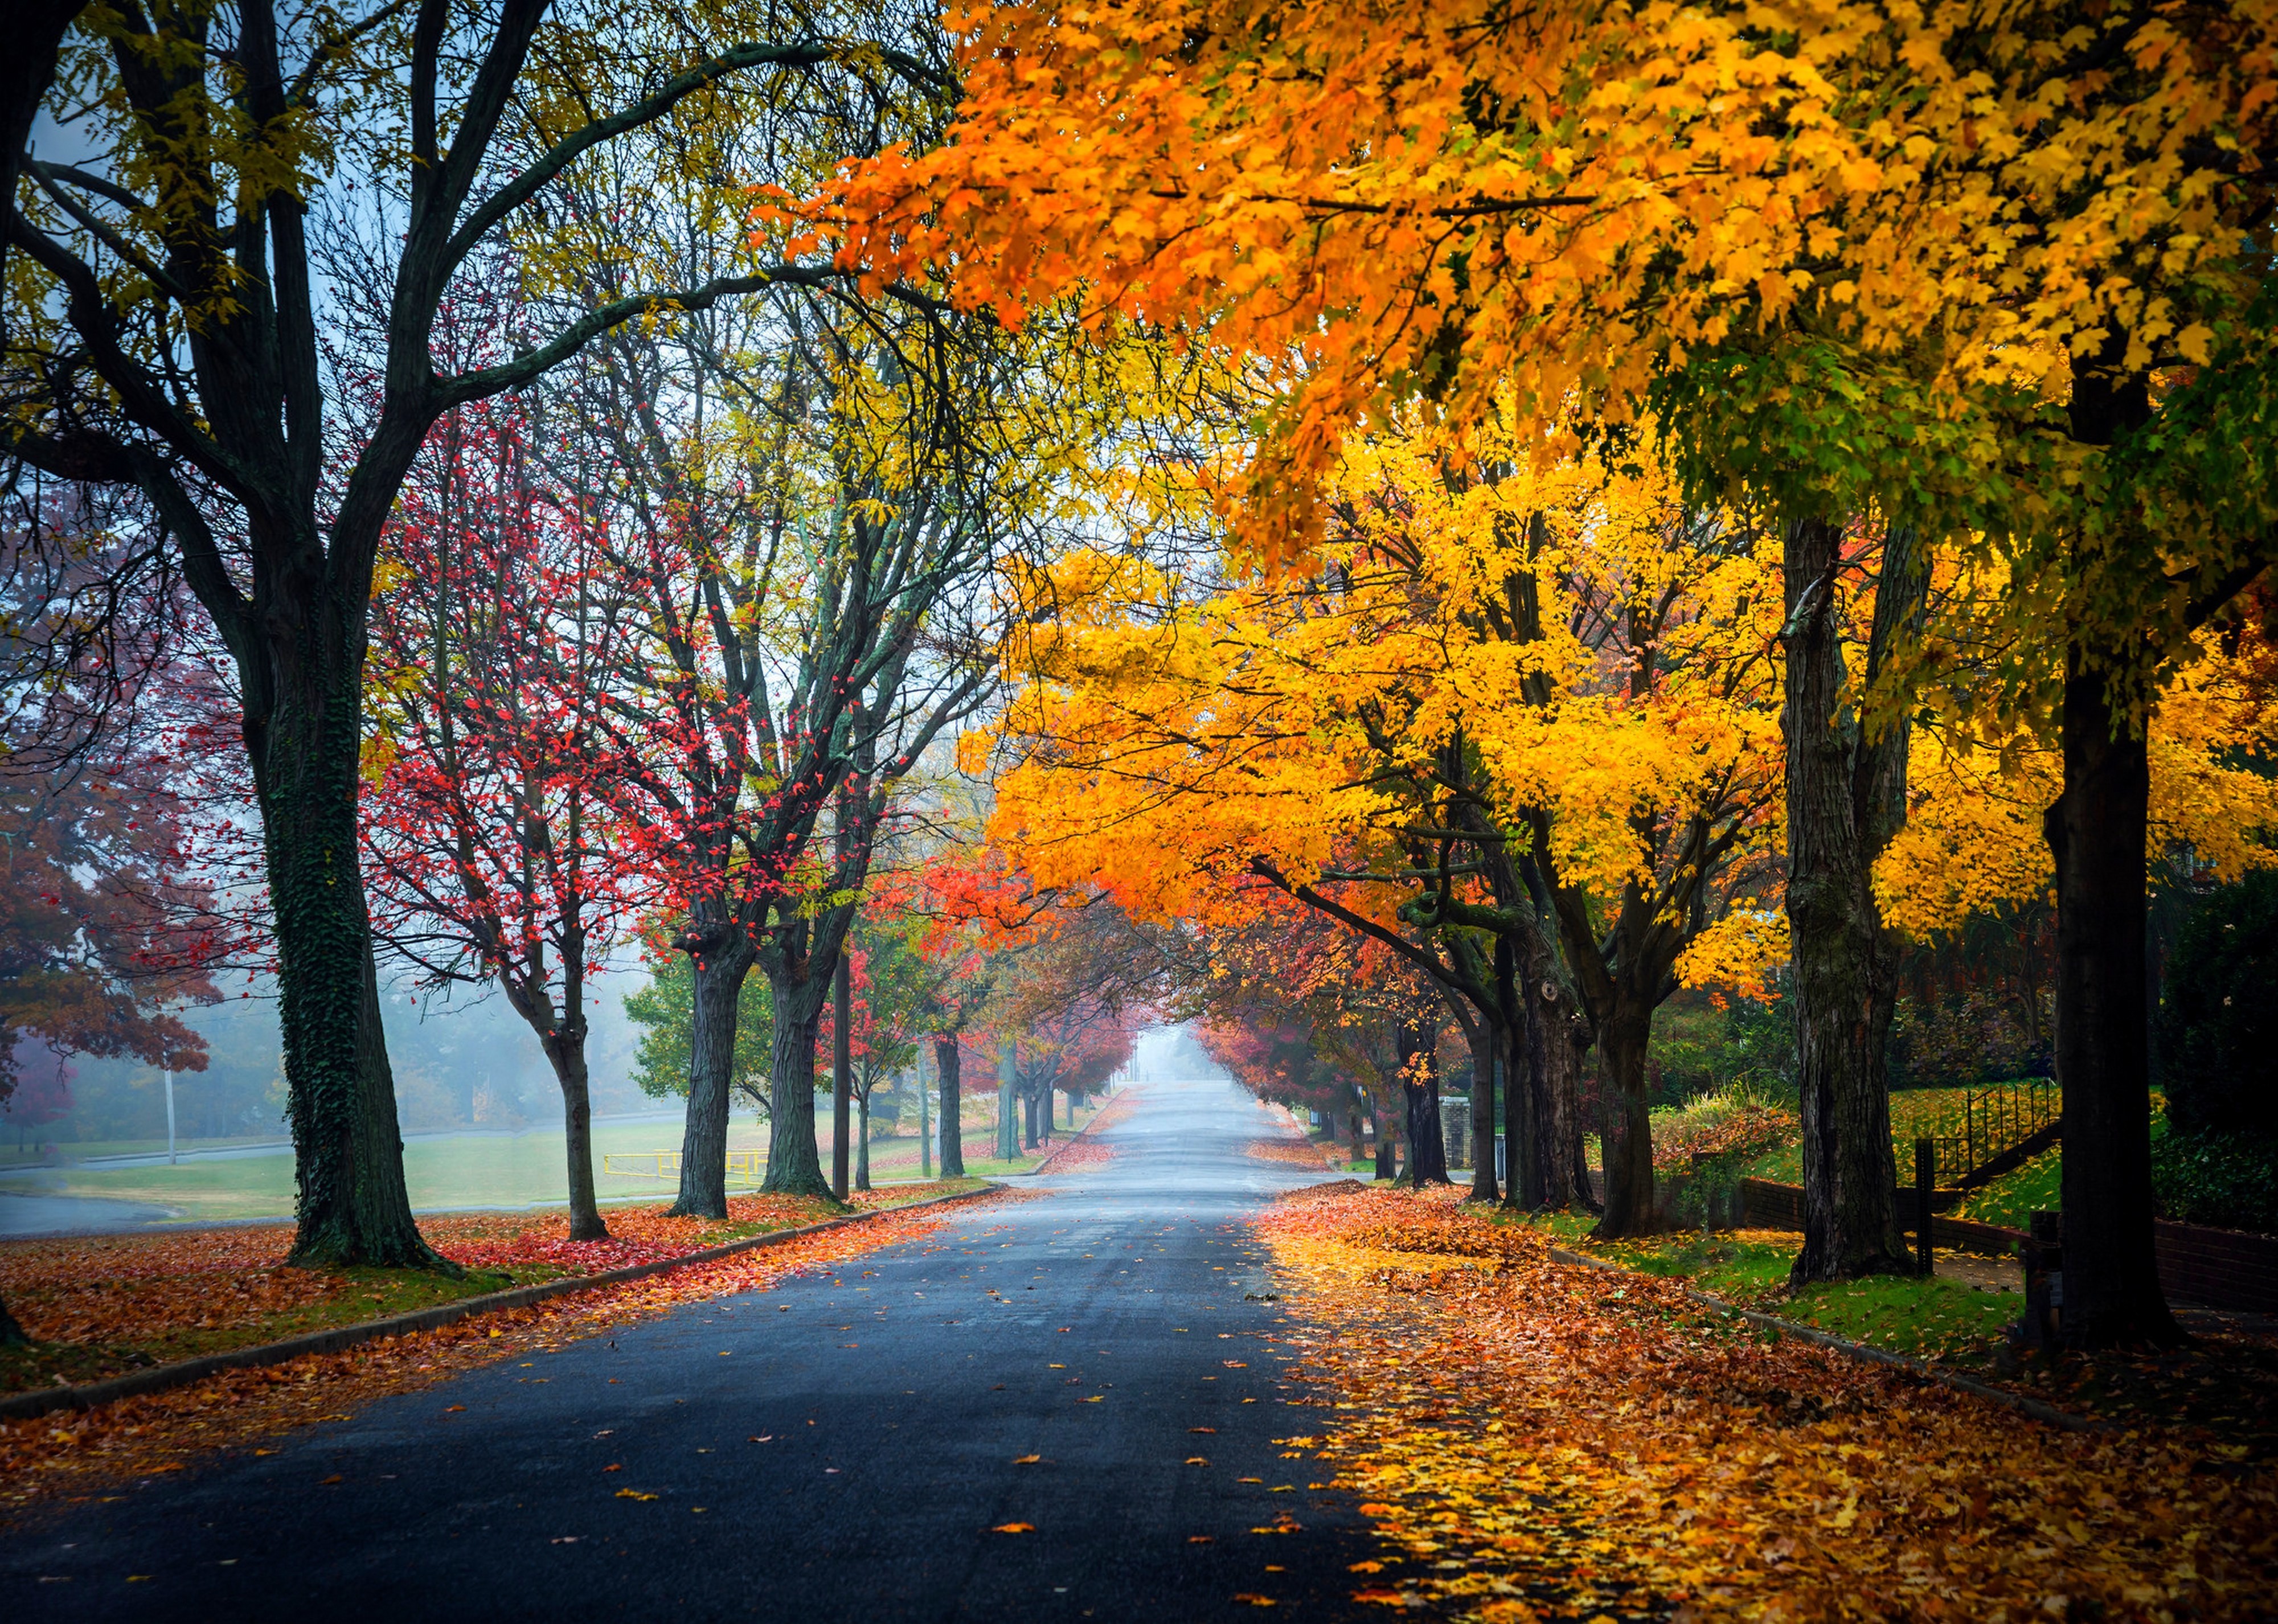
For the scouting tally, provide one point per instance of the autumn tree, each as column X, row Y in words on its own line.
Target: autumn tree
column 490, row 850
column 168, row 331
column 1994, row 277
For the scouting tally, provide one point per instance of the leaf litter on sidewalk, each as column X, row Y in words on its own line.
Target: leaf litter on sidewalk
column 1531, row 1439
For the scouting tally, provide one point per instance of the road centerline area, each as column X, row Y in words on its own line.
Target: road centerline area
column 1069, row 1402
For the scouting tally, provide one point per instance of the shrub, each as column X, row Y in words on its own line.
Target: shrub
column 2219, row 1015
column 1738, row 1121
column 2226, row 1180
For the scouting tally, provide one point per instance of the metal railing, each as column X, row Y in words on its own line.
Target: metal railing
column 1989, row 1122
column 750, row 1166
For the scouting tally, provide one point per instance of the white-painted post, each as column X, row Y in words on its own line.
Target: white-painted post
column 172, row 1158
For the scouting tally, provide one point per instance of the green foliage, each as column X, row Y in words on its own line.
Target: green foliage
column 2225, row 1180
column 666, row 1008
column 2219, row 1017
column 1699, row 1048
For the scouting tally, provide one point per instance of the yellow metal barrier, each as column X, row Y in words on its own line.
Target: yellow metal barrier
column 748, row 1166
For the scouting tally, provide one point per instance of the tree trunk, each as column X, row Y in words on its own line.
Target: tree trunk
column 949, row 1063
column 353, row 1207
column 794, row 1165
column 862, row 1149
column 1627, row 1143
column 1486, row 1060
column 1845, row 980
column 1388, row 1157
column 1008, row 1106
column 1359, row 1138
column 567, row 1052
column 11, row 1334
column 1419, row 1086
column 2095, row 832
column 719, row 964
column 1558, row 1104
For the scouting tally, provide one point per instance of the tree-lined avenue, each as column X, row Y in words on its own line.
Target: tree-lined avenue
column 1093, row 1326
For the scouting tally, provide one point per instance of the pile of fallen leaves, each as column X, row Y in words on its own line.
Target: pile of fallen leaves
column 1721, row 1124
column 1306, row 1156
column 69, row 1452
column 1077, row 1153
column 1533, row 1439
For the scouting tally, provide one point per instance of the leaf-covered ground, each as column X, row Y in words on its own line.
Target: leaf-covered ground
column 71, row 1454
column 1535, row 1439
column 100, row 1305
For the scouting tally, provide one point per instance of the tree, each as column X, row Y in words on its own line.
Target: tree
column 489, row 835
column 665, row 1007
column 167, row 333
column 1999, row 277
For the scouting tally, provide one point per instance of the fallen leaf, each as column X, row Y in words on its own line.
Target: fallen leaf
column 1014, row 1527
column 633, row 1494
column 1026, row 1460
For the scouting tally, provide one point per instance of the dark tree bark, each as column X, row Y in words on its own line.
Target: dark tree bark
column 1387, row 1153
column 1419, row 1086
column 1627, row 1142
column 1845, row 800
column 949, row 1060
column 2096, row 832
column 36, row 30
column 1488, row 1049
column 567, row 1056
column 721, row 957
column 800, row 981
column 862, row 1145
column 11, row 1334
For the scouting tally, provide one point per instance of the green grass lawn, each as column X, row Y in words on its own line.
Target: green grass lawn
column 1947, row 1320
column 471, row 1171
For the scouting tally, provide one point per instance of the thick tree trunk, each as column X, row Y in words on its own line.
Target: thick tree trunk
column 1838, row 789
column 353, row 1207
column 862, row 1149
column 2095, row 832
column 1487, row 1060
column 1628, row 1138
column 949, row 1063
column 567, row 1054
column 718, row 968
column 11, row 1334
column 1359, row 1136
column 794, row 1165
column 1419, row 1087
column 1558, row 1105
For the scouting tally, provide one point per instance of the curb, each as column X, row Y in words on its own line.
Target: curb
column 2017, row 1401
column 159, row 1378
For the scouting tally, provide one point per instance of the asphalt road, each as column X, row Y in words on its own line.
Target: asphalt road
column 839, row 1447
